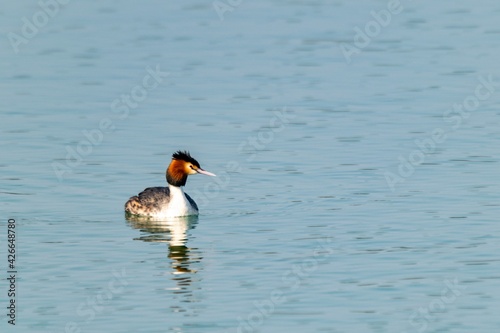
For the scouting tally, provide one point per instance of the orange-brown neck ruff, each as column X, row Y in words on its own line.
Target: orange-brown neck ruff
column 176, row 173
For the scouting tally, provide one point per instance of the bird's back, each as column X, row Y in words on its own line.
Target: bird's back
column 152, row 201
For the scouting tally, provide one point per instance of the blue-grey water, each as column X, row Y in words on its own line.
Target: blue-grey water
column 355, row 143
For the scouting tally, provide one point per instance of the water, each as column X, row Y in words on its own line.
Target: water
column 317, row 222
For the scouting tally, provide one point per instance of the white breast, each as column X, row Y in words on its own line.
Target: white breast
column 178, row 204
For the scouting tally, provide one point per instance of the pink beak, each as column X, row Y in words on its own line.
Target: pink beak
column 203, row 172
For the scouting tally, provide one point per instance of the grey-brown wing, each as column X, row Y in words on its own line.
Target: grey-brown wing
column 191, row 201
column 149, row 201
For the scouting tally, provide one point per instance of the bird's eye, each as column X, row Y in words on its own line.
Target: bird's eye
column 191, row 166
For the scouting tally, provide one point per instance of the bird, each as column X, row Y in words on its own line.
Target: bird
column 171, row 201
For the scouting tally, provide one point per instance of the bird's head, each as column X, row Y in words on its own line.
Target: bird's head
column 181, row 167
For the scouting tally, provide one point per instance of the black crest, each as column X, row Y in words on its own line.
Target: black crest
column 184, row 156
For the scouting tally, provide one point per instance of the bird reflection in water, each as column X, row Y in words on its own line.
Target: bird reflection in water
column 174, row 232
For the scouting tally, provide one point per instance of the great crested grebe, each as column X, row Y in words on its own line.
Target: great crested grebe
column 171, row 201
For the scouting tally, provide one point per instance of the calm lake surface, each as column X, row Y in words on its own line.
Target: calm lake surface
column 356, row 154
